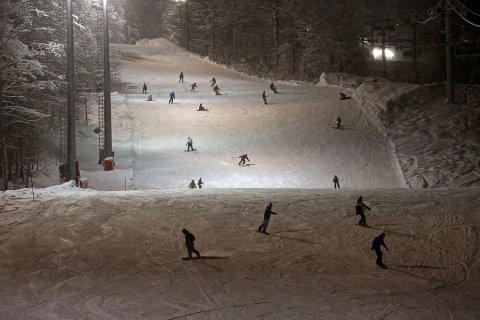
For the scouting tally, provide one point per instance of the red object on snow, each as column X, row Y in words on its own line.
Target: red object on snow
column 108, row 164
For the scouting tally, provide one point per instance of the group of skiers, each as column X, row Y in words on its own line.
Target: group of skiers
column 192, row 184
column 377, row 242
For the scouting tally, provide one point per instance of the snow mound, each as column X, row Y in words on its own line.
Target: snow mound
column 436, row 143
column 342, row 79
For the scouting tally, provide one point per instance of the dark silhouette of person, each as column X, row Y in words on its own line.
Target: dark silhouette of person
column 376, row 245
column 144, row 88
column 217, row 90
column 172, row 97
column 343, row 96
column 360, row 210
column 264, row 97
column 194, row 85
column 266, row 218
column 150, row 98
column 339, row 122
column 190, row 243
column 213, row 81
column 200, row 183
column 190, row 144
column 243, row 157
column 336, row 182
column 273, row 88
column 180, row 77
column 201, row 108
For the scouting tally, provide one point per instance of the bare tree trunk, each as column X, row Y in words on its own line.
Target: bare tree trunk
column 3, row 149
column 277, row 32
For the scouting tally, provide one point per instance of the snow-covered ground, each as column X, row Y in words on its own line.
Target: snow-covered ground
column 76, row 254
column 87, row 254
column 291, row 141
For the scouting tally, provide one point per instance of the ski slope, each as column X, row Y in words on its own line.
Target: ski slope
column 291, row 141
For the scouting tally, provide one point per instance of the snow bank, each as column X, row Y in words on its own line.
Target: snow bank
column 342, row 79
column 436, row 143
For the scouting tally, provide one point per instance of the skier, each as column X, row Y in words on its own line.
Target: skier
column 190, row 144
column 273, row 88
column 190, row 243
column 150, row 98
column 376, row 245
column 360, row 210
column 243, row 157
column 264, row 96
column 194, row 85
column 192, row 185
column 343, row 96
column 213, row 81
column 200, row 183
column 336, row 182
column 201, row 108
column 217, row 89
column 339, row 122
column 180, row 77
column 144, row 88
column 172, row 97
column 266, row 218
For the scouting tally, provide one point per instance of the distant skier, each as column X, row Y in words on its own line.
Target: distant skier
column 343, row 96
column 193, row 86
column 190, row 243
column 266, row 218
column 243, row 157
column 201, row 108
column 172, row 97
column 144, row 88
column 150, row 98
column 200, row 183
column 213, row 81
column 336, row 182
column 264, row 97
column 180, row 77
column 376, row 245
column 360, row 210
column 192, row 185
column 273, row 88
column 217, row 90
column 190, row 144
column 339, row 122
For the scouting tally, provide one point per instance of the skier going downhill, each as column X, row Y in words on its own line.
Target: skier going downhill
column 376, row 245
column 144, row 88
column 193, row 86
column 266, row 218
column 200, row 183
column 360, row 210
column 339, row 123
column 336, row 182
column 172, row 97
column 264, row 97
column 192, row 184
column 217, row 90
column 213, row 81
column 190, row 144
column 190, row 243
column 180, row 77
column 243, row 157
column 273, row 88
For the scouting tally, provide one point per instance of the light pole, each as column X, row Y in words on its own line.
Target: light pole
column 71, row 143
column 106, row 89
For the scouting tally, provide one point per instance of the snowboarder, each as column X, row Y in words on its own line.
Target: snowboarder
column 343, row 96
column 243, row 157
column 360, row 210
column 273, row 88
column 339, row 122
column 172, row 97
column 190, row 243
column 144, row 88
column 150, row 98
column 266, row 218
column 217, row 89
column 192, row 185
column 336, row 182
column 194, row 85
column 264, row 97
column 376, row 245
column 180, row 77
column 213, row 81
column 200, row 183
column 201, row 108
column 190, row 144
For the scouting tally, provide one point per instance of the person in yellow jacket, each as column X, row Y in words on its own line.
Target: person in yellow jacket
column 192, row 185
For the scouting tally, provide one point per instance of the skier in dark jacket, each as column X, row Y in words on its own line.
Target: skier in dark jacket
column 273, row 88
column 336, row 182
column 360, row 210
column 200, row 183
column 217, row 90
column 376, row 245
column 193, row 86
column 144, row 88
column 243, row 157
column 266, row 218
column 339, row 122
column 190, row 144
column 213, row 81
column 172, row 97
column 190, row 243
column 180, row 77
column 264, row 97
